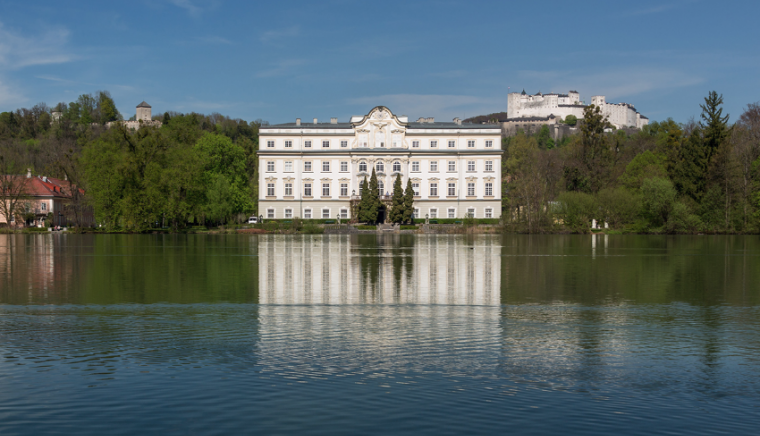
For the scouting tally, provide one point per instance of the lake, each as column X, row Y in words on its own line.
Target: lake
column 379, row 334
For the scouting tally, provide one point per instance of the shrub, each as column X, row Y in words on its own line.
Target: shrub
column 577, row 209
column 408, row 227
column 366, row 227
column 312, row 228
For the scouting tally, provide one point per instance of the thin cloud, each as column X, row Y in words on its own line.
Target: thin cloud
column 274, row 35
column 187, row 5
column 613, row 83
column 9, row 96
column 78, row 83
column 214, row 40
column 282, row 68
column 425, row 105
column 17, row 51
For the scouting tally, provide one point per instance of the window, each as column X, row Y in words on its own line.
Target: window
column 380, row 167
column 344, row 214
column 307, row 166
column 326, row 166
column 270, row 213
column 344, row 189
column 434, row 189
column 452, row 213
column 452, row 189
column 452, row 144
column 288, row 167
column 270, row 189
column 452, row 165
column 344, row 166
column 471, row 212
column 416, row 212
column 470, row 165
column 489, row 165
column 43, row 206
column 307, row 144
column 397, row 167
column 288, row 144
column 288, row 189
column 288, row 213
column 325, row 189
column 434, row 166
column 270, row 144
column 362, row 167
column 416, row 166
column 471, row 143
column 380, row 187
column 470, row 189
column 343, row 144
column 415, row 144
column 489, row 189
column 489, row 213
column 433, row 144
column 307, row 214
column 416, row 188
column 307, row 189
column 325, row 213
column 270, row 166
column 433, row 213
column 489, row 143
column 325, row 144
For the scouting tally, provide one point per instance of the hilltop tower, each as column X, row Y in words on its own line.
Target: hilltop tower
column 143, row 112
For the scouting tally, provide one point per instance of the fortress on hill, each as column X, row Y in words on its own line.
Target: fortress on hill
column 536, row 108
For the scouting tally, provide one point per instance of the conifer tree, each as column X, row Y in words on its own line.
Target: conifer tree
column 396, row 214
column 373, row 200
column 364, row 202
column 714, row 124
column 408, row 202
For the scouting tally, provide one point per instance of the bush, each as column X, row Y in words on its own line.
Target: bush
column 366, row 227
column 35, row 229
column 312, row 228
column 658, row 196
column 577, row 209
column 408, row 227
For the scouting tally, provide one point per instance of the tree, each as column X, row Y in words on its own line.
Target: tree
column 545, row 141
column 408, row 202
column 658, row 196
column 397, row 212
column 589, row 165
column 644, row 166
column 12, row 189
column 571, row 120
column 714, row 124
column 365, row 202
column 374, row 204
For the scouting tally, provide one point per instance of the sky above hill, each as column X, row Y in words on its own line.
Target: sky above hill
column 276, row 61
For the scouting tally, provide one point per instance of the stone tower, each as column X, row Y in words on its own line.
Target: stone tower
column 143, row 112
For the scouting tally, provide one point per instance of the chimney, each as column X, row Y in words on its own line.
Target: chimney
column 298, row 121
column 457, row 121
column 28, row 173
column 333, row 121
column 315, row 121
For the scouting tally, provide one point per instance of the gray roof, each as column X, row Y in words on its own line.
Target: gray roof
column 143, row 104
column 410, row 126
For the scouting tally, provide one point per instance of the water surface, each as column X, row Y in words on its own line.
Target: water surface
column 199, row 334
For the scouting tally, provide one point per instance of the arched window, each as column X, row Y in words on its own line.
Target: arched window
column 397, row 167
column 380, row 167
column 363, row 166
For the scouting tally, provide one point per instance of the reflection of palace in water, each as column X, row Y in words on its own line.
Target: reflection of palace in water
column 378, row 269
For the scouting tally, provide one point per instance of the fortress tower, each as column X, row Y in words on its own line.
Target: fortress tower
column 143, row 112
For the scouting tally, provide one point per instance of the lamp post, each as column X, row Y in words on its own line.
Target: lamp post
column 338, row 218
column 261, row 219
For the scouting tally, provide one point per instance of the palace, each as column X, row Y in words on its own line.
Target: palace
column 315, row 170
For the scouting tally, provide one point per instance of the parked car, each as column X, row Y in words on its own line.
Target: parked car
column 253, row 220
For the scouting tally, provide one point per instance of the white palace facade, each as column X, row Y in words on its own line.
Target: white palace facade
column 314, row 170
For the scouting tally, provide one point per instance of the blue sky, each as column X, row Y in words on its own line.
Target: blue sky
column 280, row 60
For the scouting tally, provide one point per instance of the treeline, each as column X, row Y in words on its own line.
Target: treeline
column 193, row 169
column 702, row 176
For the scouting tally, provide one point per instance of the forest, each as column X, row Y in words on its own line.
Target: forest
column 193, row 170
column 702, row 176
